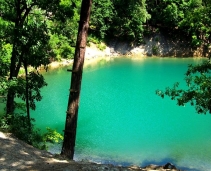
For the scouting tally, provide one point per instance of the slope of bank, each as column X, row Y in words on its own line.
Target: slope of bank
column 17, row 155
column 159, row 44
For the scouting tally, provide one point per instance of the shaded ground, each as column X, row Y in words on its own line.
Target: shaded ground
column 17, row 155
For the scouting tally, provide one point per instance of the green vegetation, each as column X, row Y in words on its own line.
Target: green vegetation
column 191, row 19
column 198, row 91
column 18, row 125
column 26, row 29
column 155, row 50
column 188, row 18
column 119, row 19
column 34, row 33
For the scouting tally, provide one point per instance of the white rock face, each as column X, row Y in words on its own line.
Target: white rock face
column 2, row 135
column 155, row 45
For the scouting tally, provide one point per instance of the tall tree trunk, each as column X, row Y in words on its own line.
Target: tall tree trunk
column 15, row 61
column 14, row 69
column 16, row 58
column 77, row 70
column 27, row 95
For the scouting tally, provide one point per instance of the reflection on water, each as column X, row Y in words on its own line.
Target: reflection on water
column 122, row 121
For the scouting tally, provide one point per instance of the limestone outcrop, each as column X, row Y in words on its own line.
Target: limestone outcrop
column 157, row 44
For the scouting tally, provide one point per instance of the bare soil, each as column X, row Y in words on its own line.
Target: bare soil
column 17, row 155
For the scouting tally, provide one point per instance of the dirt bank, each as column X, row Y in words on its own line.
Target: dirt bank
column 17, row 155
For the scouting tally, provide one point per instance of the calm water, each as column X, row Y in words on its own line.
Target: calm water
column 122, row 121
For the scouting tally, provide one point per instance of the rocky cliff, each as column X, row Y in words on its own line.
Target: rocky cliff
column 157, row 44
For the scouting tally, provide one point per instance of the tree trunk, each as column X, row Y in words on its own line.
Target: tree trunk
column 27, row 95
column 74, row 95
column 15, row 61
column 14, row 69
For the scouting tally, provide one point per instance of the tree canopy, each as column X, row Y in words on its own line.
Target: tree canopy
column 26, row 29
column 198, row 90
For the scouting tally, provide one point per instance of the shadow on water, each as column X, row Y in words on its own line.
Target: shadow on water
column 147, row 163
column 167, row 160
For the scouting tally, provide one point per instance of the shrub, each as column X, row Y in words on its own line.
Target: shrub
column 20, row 127
column 155, row 50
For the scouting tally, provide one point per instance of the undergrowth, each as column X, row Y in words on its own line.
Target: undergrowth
column 19, row 127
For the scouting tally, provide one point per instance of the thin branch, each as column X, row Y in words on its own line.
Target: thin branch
column 27, row 12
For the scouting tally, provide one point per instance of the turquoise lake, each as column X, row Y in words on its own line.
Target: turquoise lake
column 122, row 120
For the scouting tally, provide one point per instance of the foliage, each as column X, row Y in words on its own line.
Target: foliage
column 17, row 85
column 101, row 17
column 35, row 32
column 155, row 50
column 35, row 83
column 191, row 18
column 93, row 39
column 167, row 13
column 5, row 85
column 197, row 22
column 52, row 136
column 130, row 19
column 125, row 20
column 63, row 33
column 61, row 47
column 25, row 28
column 119, row 19
column 25, row 41
column 5, row 53
column 101, row 46
column 19, row 126
column 198, row 92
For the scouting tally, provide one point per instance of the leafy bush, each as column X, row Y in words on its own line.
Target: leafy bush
column 52, row 136
column 5, row 54
column 97, row 41
column 101, row 46
column 61, row 47
column 93, row 39
column 119, row 19
column 20, row 127
column 155, row 50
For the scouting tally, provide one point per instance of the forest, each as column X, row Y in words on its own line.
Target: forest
column 34, row 33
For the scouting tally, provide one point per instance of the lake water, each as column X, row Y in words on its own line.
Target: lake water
column 122, row 120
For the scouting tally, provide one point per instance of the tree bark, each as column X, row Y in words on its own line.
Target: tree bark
column 77, row 70
column 15, row 60
column 14, row 69
column 27, row 95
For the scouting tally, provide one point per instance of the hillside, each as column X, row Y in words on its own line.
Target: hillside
column 17, row 155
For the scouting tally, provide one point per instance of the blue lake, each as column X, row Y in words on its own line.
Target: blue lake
column 122, row 120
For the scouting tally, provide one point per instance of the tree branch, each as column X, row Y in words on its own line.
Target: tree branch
column 27, row 11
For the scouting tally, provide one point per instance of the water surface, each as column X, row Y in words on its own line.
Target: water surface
column 122, row 121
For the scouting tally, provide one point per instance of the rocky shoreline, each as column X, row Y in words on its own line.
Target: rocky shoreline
column 94, row 55
column 17, row 155
column 157, row 45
